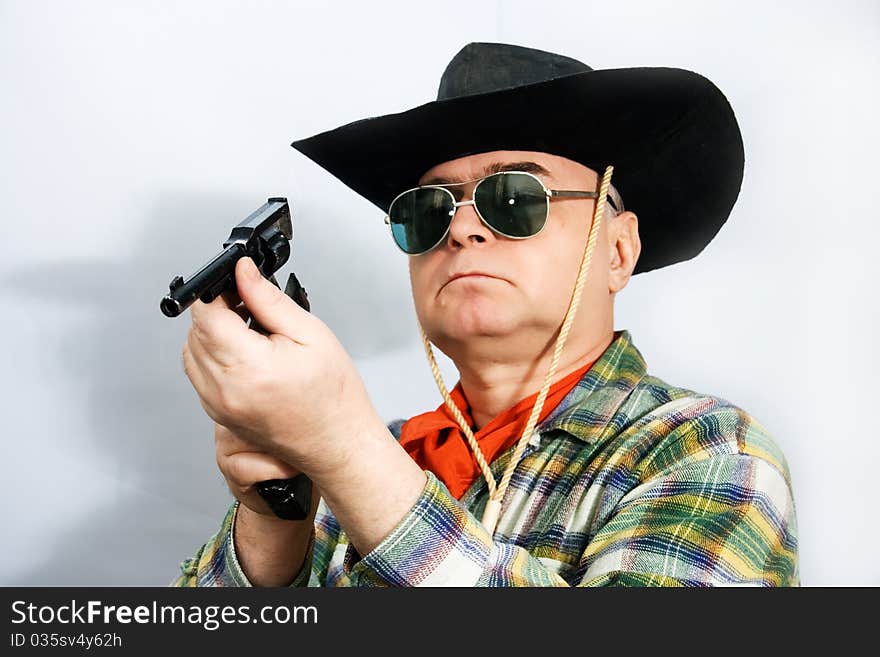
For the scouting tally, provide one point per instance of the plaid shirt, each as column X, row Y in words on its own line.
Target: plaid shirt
column 629, row 482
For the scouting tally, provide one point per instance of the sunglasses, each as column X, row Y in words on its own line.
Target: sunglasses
column 514, row 204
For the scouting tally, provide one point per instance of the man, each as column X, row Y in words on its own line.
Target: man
column 557, row 460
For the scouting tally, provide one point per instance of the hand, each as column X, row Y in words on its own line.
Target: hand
column 270, row 550
column 294, row 394
column 243, row 466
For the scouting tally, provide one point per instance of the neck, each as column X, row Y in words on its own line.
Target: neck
column 492, row 386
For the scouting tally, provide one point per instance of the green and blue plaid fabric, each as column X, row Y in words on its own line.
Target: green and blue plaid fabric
column 629, row 482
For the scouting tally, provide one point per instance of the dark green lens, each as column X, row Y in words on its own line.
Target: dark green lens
column 514, row 204
column 419, row 218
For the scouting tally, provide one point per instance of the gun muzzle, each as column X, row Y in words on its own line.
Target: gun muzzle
column 206, row 284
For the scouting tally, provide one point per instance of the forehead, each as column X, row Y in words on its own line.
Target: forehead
column 552, row 168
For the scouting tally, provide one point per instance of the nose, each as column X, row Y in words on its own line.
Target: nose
column 467, row 227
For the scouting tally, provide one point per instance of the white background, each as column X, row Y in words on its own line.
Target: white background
column 134, row 135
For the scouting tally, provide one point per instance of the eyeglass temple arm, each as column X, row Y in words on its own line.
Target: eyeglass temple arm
column 568, row 193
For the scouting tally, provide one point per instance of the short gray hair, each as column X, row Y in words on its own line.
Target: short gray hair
column 614, row 197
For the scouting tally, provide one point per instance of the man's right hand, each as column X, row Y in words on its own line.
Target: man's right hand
column 271, row 551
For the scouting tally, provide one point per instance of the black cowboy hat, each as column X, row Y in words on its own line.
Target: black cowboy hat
column 670, row 134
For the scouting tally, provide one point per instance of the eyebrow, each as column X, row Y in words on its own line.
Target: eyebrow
column 494, row 167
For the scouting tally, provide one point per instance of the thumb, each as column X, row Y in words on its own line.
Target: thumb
column 273, row 309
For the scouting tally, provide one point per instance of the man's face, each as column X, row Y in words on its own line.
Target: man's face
column 524, row 286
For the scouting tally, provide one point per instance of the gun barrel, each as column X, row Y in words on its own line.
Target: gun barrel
column 206, row 283
column 264, row 235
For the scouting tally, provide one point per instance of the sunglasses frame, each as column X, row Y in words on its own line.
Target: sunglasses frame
column 548, row 193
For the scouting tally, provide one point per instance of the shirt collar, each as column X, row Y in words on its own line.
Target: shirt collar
column 586, row 411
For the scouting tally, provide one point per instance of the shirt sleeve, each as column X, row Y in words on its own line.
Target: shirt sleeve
column 704, row 519
column 725, row 520
column 440, row 543
column 216, row 564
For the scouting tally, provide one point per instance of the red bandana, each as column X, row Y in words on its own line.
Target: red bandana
column 436, row 442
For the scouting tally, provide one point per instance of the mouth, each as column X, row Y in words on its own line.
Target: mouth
column 468, row 274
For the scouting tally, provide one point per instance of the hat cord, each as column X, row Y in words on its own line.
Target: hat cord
column 496, row 491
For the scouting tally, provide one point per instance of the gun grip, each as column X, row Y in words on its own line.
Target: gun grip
column 289, row 499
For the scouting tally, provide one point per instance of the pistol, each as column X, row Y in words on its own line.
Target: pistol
column 264, row 236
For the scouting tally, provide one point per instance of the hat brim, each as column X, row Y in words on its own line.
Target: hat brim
column 670, row 134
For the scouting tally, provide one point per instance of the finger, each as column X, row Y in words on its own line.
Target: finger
column 231, row 297
column 245, row 469
column 234, row 302
column 201, row 359
column 241, row 310
column 228, row 442
column 227, row 299
column 220, row 306
column 191, row 367
column 202, row 384
column 224, row 332
column 273, row 309
column 208, row 376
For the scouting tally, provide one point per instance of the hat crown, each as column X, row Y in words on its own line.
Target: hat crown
column 481, row 68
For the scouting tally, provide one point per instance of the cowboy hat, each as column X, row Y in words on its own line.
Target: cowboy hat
column 670, row 134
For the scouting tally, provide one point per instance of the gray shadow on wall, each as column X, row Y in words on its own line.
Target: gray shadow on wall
column 145, row 416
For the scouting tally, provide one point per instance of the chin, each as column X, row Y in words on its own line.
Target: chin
column 463, row 324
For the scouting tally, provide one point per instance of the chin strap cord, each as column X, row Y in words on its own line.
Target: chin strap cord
column 496, row 491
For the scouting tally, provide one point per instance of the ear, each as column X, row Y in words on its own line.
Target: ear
column 624, row 247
